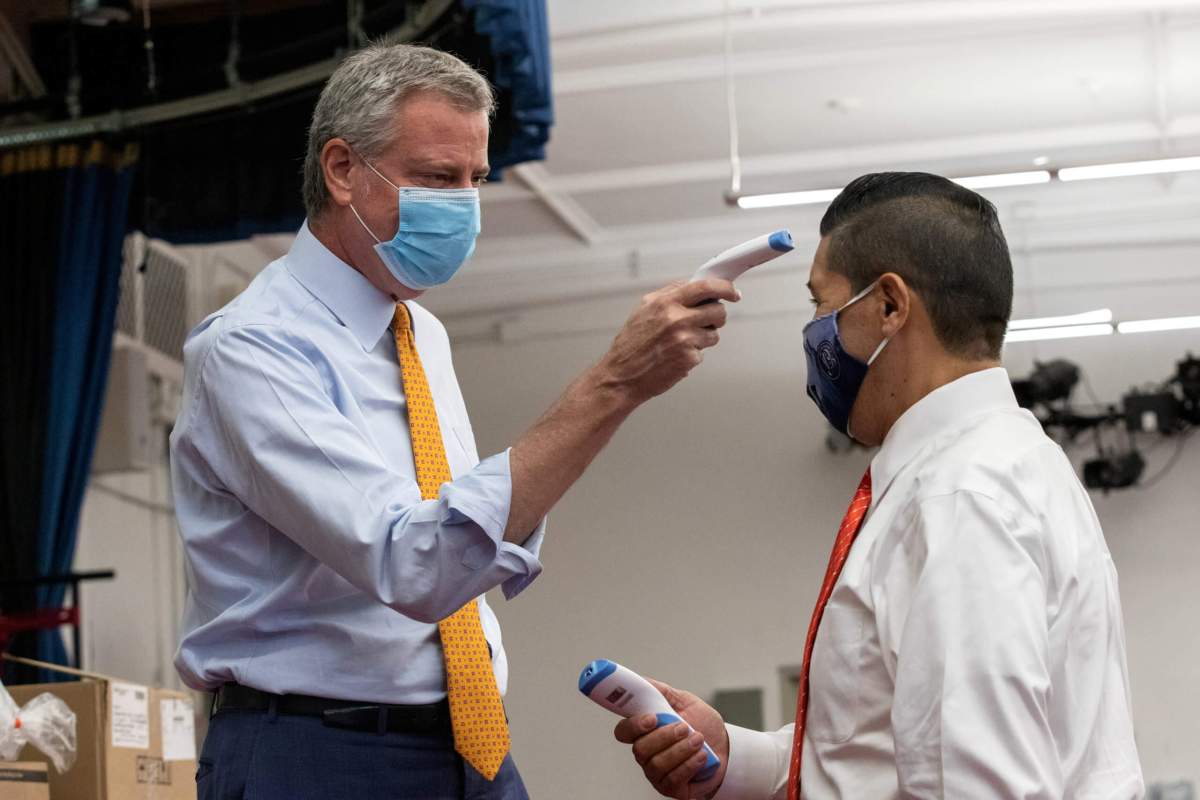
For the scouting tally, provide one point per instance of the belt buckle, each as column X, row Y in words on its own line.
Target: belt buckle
column 351, row 718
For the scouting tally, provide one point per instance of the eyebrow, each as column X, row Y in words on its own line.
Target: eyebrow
column 448, row 166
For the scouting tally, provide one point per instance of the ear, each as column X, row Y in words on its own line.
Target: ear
column 897, row 302
column 337, row 162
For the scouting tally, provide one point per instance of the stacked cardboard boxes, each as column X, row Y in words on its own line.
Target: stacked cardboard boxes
column 133, row 741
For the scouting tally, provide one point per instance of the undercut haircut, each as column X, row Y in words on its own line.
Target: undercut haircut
column 943, row 239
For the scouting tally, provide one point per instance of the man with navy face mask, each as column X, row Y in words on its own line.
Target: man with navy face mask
column 340, row 528
column 967, row 640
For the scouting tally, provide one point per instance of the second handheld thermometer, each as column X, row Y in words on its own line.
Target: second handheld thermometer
column 624, row 692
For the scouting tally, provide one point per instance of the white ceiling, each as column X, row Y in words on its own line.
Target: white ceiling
column 632, row 190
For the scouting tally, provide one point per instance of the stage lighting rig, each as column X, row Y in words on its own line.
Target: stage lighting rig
column 1170, row 409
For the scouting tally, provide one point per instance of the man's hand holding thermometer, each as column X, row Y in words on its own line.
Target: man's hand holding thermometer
column 679, row 741
column 730, row 264
column 681, row 320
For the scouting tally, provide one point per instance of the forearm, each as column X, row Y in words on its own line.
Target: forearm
column 553, row 454
column 659, row 344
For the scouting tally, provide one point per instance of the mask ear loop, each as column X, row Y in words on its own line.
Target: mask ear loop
column 380, row 174
column 878, row 350
column 371, row 167
column 866, row 291
column 365, row 228
column 870, row 361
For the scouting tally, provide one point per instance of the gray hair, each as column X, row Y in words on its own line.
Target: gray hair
column 360, row 101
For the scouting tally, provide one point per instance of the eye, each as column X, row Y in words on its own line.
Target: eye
column 480, row 180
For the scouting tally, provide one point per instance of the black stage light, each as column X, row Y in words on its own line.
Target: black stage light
column 1024, row 393
column 1114, row 471
column 1151, row 413
column 1187, row 375
column 1050, row 381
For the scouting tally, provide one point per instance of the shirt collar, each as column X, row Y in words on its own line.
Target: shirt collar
column 940, row 411
column 355, row 302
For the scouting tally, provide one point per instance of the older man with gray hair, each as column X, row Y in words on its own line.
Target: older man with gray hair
column 340, row 529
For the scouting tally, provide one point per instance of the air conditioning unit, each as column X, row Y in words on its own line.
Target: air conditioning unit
column 153, row 311
column 146, row 376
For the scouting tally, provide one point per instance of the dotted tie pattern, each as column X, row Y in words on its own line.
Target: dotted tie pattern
column 837, row 559
column 476, row 710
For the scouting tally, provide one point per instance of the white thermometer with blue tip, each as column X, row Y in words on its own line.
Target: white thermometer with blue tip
column 624, row 692
column 730, row 264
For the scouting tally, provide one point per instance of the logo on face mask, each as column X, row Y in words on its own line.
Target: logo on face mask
column 827, row 356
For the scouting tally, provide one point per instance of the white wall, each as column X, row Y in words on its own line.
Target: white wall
column 131, row 623
column 694, row 547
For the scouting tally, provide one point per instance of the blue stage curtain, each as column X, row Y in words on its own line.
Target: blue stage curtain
column 68, row 209
column 519, row 42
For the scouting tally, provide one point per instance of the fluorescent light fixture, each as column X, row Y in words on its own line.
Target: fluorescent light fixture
column 1064, row 332
column 1099, row 315
column 1000, row 179
column 825, row 195
column 1128, row 168
column 787, row 198
column 1164, row 324
column 1004, row 179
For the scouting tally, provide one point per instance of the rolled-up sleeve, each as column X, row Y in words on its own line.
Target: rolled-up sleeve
column 265, row 430
column 482, row 497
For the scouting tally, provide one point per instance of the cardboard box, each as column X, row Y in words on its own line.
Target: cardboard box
column 133, row 741
column 24, row 780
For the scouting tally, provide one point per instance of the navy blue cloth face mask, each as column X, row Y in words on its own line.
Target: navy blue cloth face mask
column 835, row 376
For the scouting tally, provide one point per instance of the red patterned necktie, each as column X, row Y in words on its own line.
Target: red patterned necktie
column 841, row 549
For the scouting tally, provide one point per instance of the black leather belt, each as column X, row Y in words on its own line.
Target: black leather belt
column 347, row 714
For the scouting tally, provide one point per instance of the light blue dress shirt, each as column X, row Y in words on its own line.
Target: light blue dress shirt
column 313, row 565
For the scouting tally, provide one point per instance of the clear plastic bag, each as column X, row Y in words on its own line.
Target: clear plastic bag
column 46, row 722
column 12, row 738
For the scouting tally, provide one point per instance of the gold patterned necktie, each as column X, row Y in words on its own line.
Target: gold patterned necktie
column 476, row 711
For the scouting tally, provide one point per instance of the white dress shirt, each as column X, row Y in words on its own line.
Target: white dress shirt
column 314, row 566
column 973, row 645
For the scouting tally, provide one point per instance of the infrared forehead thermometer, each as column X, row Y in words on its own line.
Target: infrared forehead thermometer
column 624, row 692
column 730, row 264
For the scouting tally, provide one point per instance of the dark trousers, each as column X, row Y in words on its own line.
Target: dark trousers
column 263, row 756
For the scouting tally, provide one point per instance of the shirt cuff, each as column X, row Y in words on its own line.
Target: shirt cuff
column 526, row 561
column 484, row 496
column 752, row 771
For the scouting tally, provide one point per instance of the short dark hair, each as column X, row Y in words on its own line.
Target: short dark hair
column 943, row 239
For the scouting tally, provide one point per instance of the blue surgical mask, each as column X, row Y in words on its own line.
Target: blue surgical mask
column 435, row 237
column 835, row 376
